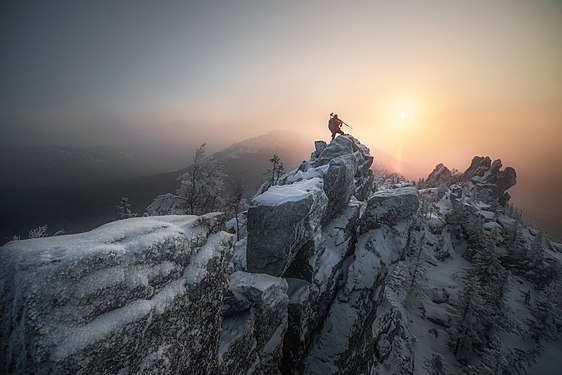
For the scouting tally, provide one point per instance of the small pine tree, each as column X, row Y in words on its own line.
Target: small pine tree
column 416, row 269
column 545, row 322
column 276, row 171
column 492, row 361
column 124, row 209
column 466, row 320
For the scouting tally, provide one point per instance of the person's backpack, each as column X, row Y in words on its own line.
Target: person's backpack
column 331, row 124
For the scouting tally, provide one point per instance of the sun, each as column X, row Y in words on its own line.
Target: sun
column 403, row 114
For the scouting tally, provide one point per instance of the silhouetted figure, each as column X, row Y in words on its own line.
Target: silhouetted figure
column 335, row 125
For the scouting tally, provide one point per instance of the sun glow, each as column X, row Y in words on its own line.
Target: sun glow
column 403, row 114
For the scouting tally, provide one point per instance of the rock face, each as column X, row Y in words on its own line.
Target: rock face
column 255, row 322
column 285, row 217
column 123, row 298
column 280, row 222
column 389, row 207
column 335, row 278
column 490, row 176
column 439, row 176
column 345, row 343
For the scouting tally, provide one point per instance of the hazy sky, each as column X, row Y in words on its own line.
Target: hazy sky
column 478, row 77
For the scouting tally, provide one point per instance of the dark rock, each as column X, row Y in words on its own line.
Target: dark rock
column 438, row 317
column 319, row 147
column 339, row 184
column 310, row 299
column 478, row 167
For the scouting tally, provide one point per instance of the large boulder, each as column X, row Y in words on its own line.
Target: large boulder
column 389, row 207
column 123, row 298
column 280, row 222
column 255, row 323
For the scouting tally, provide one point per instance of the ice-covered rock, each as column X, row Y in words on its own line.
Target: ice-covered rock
column 255, row 323
column 126, row 297
column 389, row 207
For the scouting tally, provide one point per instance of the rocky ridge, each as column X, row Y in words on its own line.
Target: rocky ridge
column 329, row 276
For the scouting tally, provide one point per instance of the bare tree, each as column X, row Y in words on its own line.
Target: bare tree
column 202, row 188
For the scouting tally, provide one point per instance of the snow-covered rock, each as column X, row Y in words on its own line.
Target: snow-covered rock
column 327, row 277
column 346, row 341
column 123, row 298
column 311, row 296
column 485, row 173
column 439, row 176
column 389, row 207
column 280, row 222
column 255, row 323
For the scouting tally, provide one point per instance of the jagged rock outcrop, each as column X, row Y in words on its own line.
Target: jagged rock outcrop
column 490, row 176
column 328, row 274
column 439, row 176
column 284, row 217
column 126, row 297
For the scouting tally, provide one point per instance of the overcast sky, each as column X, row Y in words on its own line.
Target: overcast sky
column 479, row 77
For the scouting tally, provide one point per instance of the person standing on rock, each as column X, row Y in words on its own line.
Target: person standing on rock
column 335, row 125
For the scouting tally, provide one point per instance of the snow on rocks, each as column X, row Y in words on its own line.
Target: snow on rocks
column 489, row 175
column 285, row 217
column 390, row 207
column 280, row 222
column 344, row 344
column 126, row 296
column 439, row 176
column 310, row 297
column 255, row 323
